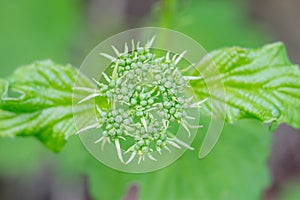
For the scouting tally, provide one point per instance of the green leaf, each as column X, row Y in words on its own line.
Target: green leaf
column 236, row 169
column 259, row 83
column 37, row 101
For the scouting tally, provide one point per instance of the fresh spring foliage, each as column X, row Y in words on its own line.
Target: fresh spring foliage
column 260, row 83
column 37, row 101
column 236, row 169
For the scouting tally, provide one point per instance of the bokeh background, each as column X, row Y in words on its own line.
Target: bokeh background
column 66, row 30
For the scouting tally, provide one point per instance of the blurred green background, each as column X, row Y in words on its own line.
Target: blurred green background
column 66, row 30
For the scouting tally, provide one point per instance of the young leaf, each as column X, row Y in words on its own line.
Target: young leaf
column 259, row 83
column 37, row 101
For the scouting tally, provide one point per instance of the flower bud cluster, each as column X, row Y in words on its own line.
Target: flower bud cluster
column 145, row 93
